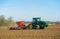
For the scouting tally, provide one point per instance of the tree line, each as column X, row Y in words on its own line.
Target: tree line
column 6, row 22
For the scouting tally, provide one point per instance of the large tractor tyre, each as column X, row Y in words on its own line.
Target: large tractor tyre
column 34, row 26
column 42, row 27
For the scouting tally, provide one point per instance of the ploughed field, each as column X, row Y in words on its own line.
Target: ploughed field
column 51, row 32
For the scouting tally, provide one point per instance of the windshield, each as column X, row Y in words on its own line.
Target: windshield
column 38, row 19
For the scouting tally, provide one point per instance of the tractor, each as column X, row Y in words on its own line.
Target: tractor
column 35, row 24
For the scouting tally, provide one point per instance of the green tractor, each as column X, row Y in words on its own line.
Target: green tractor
column 38, row 23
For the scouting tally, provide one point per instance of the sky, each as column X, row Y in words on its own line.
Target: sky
column 48, row 10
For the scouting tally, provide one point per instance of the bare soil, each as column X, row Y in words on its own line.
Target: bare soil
column 51, row 32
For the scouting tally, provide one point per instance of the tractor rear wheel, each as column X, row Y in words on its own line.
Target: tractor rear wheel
column 42, row 27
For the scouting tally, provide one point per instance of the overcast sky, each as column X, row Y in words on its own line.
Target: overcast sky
column 48, row 10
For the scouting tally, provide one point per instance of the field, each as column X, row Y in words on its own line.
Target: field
column 51, row 32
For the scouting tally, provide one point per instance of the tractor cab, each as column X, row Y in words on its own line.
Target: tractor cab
column 36, row 20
